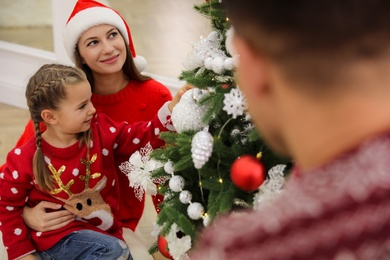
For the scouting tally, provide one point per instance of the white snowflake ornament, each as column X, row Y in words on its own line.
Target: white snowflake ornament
column 178, row 246
column 270, row 187
column 234, row 103
column 201, row 148
column 138, row 169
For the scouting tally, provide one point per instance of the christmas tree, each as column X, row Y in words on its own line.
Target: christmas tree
column 217, row 161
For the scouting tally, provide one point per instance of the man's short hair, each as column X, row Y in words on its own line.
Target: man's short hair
column 311, row 36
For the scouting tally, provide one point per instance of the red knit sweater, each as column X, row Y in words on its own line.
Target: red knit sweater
column 91, row 194
column 138, row 101
column 339, row 211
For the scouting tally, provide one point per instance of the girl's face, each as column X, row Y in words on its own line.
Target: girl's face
column 76, row 111
column 103, row 49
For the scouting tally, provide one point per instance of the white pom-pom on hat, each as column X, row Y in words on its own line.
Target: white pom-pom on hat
column 89, row 13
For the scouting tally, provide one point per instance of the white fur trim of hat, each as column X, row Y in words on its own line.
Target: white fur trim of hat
column 93, row 16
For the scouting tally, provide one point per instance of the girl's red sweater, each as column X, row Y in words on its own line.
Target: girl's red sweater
column 91, row 193
column 138, row 101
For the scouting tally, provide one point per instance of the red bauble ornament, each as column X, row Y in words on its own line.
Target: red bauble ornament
column 247, row 173
column 162, row 245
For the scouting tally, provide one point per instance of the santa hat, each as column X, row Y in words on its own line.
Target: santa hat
column 89, row 13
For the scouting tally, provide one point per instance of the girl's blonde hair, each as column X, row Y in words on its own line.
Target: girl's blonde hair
column 45, row 90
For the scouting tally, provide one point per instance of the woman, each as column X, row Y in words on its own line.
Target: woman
column 98, row 40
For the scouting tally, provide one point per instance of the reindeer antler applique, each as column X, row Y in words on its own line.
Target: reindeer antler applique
column 89, row 203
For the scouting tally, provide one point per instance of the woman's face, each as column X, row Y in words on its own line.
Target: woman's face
column 103, row 49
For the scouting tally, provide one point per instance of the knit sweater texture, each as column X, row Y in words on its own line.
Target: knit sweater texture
column 91, row 193
column 339, row 211
column 138, row 101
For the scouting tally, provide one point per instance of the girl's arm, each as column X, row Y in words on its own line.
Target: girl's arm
column 15, row 185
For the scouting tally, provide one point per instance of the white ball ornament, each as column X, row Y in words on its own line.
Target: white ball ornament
column 176, row 183
column 201, row 148
column 206, row 221
column 168, row 167
column 217, row 65
column 195, row 210
column 208, row 63
column 185, row 197
column 188, row 114
column 228, row 64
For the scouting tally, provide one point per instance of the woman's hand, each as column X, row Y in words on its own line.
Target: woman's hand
column 178, row 95
column 39, row 219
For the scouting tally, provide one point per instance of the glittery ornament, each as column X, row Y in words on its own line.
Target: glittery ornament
column 195, row 210
column 206, row 221
column 270, row 187
column 208, row 63
column 218, row 65
column 205, row 48
column 176, row 183
column 201, row 148
column 185, row 197
column 228, row 64
column 234, row 103
column 168, row 167
column 188, row 114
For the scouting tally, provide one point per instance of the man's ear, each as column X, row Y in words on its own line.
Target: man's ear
column 252, row 66
column 48, row 116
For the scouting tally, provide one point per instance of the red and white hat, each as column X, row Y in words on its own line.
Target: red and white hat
column 89, row 13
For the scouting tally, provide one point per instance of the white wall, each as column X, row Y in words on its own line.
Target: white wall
column 18, row 63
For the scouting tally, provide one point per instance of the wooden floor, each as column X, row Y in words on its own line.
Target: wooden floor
column 163, row 32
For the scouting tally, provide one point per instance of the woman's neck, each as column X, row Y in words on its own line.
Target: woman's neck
column 109, row 84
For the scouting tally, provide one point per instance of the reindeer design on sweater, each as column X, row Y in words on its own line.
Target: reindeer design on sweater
column 89, row 203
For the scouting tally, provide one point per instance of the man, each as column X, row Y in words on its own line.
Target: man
column 316, row 75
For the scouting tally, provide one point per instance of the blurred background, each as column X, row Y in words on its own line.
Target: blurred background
column 162, row 32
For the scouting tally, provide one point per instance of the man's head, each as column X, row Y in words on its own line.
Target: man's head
column 303, row 50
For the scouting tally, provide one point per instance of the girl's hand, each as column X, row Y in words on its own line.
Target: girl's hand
column 178, row 95
column 39, row 219
column 28, row 257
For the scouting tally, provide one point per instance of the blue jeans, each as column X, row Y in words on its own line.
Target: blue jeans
column 88, row 245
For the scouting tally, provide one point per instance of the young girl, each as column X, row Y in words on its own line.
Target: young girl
column 72, row 163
